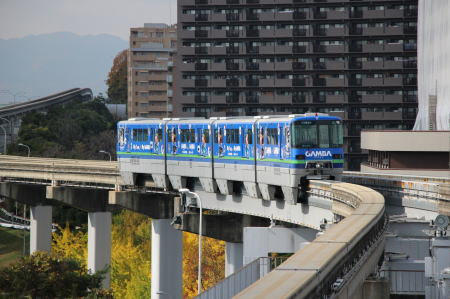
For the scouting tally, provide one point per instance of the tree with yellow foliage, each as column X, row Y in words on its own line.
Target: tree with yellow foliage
column 213, row 262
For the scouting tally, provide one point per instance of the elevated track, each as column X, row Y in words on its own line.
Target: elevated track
column 334, row 265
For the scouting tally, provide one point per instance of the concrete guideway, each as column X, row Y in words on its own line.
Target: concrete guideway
column 96, row 187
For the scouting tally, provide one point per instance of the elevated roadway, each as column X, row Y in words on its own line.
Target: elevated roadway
column 346, row 253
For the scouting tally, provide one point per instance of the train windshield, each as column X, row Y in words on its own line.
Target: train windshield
column 317, row 134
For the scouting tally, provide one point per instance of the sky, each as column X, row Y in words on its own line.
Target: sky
column 19, row 18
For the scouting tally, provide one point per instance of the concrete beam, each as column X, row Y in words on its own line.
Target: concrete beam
column 40, row 229
column 32, row 195
column 154, row 205
column 89, row 200
column 228, row 227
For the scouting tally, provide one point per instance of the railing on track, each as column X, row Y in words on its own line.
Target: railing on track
column 242, row 278
column 323, row 268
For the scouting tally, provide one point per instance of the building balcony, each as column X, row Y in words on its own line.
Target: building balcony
column 266, row 66
column 373, row 14
column 319, row 99
column 217, row 67
column 266, row 50
column 217, row 99
column 284, row 49
column 266, row 16
column 336, row 99
column 335, row 82
column 372, row 82
column 218, row 50
column 397, row 47
column 218, row 17
column 266, row 33
column 335, row 65
column 266, row 99
column 283, row 66
column 187, row 67
column 370, row 48
column 391, row 64
column 391, row 81
column 266, row 82
column 187, row 50
column 393, row 13
column 372, row 65
column 371, row 115
column 252, row 17
column 187, row 18
column 393, row 98
column 215, row 33
column 372, row 98
column 201, row 2
column 394, row 30
column 283, row 82
column 284, row 16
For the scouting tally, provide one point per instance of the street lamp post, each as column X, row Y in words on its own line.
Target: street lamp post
column 28, row 148
column 17, row 94
column 187, row 192
column 106, row 153
column 10, row 127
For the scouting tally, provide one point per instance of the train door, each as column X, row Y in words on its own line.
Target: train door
column 248, row 150
column 219, row 139
column 272, row 145
column 172, row 136
column 285, row 144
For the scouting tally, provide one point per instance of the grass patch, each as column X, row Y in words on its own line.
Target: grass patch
column 11, row 245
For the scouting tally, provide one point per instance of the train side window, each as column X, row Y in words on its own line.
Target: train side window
column 232, row 136
column 249, row 136
column 191, row 136
column 272, row 136
column 205, row 136
column 140, row 135
column 158, row 135
column 260, row 135
column 121, row 136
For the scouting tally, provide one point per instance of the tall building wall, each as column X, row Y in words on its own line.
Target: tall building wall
column 433, row 65
column 150, row 61
column 354, row 59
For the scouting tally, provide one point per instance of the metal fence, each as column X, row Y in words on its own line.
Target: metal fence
column 243, row 278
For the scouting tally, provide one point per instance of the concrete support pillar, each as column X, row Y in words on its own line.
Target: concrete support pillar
column 167, row 254
column 99, row 243
column 234, row 253
column 40, row 229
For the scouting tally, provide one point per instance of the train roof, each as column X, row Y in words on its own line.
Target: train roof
column 242, row 119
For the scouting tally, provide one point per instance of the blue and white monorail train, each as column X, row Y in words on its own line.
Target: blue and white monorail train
column 269, row 155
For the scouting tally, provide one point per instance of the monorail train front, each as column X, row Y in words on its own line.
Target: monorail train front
column 317, row 142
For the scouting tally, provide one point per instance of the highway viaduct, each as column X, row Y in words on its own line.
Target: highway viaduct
column 96, row 187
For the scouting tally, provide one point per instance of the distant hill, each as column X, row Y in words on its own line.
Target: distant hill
column 48, row 63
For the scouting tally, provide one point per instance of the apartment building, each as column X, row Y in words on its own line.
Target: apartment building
column 150, row 62
column 352, row 58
